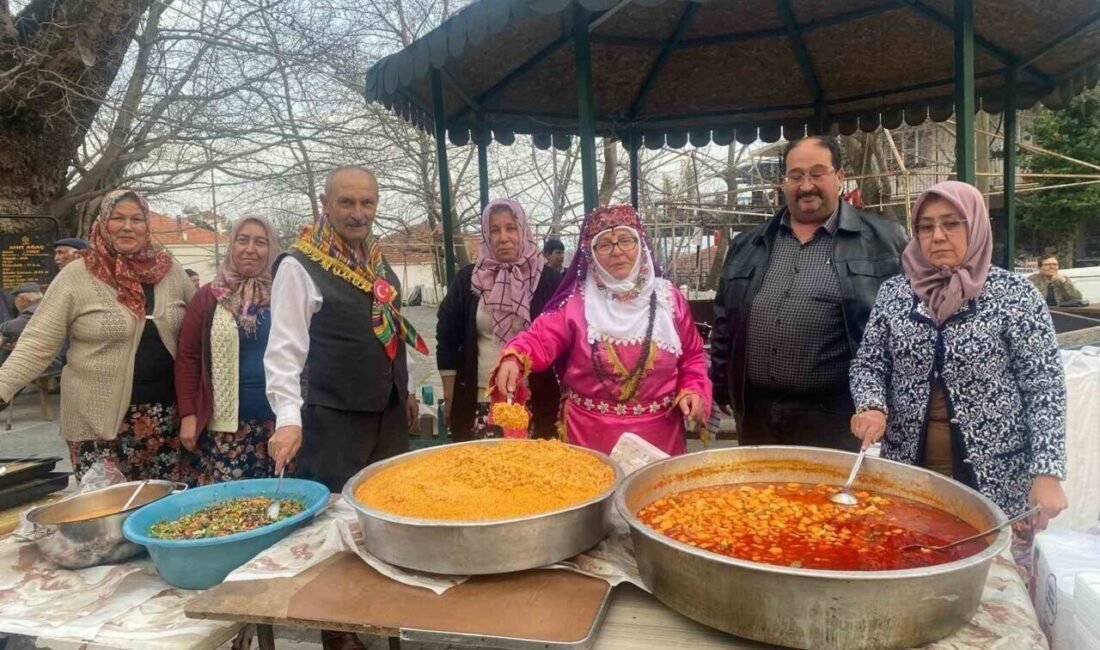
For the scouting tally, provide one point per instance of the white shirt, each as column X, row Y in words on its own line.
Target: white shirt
column 295, row 298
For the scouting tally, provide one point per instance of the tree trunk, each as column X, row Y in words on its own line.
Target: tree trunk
column 609, row 180
column 58, row 65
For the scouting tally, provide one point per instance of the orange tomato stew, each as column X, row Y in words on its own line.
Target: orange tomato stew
column 795, row 524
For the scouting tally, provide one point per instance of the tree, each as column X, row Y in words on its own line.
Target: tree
column 58, row 59
column 1074, row 132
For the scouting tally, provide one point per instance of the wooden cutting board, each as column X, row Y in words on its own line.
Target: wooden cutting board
column 344, row 593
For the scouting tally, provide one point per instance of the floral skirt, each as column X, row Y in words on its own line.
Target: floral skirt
column 147, row 445
column 230, row 456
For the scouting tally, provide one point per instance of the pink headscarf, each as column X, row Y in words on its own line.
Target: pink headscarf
column 242, row 295
column 506, row 288
column 945, row 289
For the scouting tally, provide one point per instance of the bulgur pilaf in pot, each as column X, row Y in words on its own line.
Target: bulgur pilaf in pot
column 513, row 478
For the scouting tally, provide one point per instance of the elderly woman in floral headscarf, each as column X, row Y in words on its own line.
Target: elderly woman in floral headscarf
column 120, row 305
column 959, row 367
column 220, row 382
column 488, row 303
column 622, row 340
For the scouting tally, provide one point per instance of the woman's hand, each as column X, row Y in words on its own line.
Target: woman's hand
column 284, row 444
column 189, row 435
column 1047, row 493
column 508, row 375
column 869, row 426
column 691, row 405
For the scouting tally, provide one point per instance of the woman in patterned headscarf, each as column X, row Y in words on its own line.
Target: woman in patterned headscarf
column 487, row 303
column 622, row 340
column 220, row 382
column 120, row 305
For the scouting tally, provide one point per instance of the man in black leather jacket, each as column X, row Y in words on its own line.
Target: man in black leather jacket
column 792, row 304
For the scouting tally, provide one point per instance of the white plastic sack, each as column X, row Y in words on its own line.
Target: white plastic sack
column 1082, row 483
column 1086, row 617
column 1060, row 555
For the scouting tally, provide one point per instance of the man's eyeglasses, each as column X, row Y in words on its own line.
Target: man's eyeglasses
column 816, row 174
column 926, row 229
column 625, row 245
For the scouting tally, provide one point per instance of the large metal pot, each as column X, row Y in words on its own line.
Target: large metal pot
column 479, row 547
column 807, row 608
column 70, row 538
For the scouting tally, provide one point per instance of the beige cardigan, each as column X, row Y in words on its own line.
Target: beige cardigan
column 104, row 337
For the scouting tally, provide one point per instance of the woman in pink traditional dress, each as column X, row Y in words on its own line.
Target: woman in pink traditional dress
column 622, row 340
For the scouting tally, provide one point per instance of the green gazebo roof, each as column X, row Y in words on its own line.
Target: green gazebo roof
column 674, row 72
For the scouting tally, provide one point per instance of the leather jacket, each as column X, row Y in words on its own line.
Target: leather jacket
column 866, row 252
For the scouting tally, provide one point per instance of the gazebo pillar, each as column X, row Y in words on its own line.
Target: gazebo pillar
column 483, row 173
column 1010, row 168
column 632, row 145
column 586, row 106
column 440, row 118
column 964, row 90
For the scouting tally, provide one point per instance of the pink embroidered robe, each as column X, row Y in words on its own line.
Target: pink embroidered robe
column 591, row 410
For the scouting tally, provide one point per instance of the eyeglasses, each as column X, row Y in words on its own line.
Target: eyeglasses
column 625, row 245
column 926, row 229
column 816, row 174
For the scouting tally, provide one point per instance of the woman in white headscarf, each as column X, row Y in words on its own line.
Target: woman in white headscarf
column 622, row 340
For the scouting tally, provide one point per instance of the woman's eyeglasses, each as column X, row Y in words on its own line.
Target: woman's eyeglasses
column 926, row 229
column 625, row 245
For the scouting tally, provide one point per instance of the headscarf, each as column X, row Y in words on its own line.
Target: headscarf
column 126, row 273
column 365, row 269
column 945, row 289
column 245, row 296
column 617, row 311
column 506, row 288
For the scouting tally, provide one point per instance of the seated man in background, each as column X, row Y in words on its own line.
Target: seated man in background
column 27, row 296
column 1056, row 288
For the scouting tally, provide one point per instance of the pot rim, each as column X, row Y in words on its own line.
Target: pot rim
column 349, row 490
column 39, row 511
column 996, row 547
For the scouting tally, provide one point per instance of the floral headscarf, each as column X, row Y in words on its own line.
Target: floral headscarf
column 242, row 295
column 506, row 288
column 126, row 273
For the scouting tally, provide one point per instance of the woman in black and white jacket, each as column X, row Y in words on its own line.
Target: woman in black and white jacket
column 959, row 366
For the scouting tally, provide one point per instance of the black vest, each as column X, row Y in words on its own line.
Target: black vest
column 347, row 367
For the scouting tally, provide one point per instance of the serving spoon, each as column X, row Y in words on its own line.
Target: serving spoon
column 1023, row 515
column 845, row 497
column 273, row 509
column 133, row 496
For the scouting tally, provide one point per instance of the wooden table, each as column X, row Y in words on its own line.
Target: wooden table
column 529, row 609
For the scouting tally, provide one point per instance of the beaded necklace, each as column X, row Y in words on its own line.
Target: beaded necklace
column 629, row 382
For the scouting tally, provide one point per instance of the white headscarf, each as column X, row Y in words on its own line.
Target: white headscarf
column 617, row 311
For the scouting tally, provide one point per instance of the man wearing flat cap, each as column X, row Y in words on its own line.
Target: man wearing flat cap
column 66, row 250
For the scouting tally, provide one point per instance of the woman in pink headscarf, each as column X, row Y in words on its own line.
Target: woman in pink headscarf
column 488, row 303
column 220, row 385
column 959, row 370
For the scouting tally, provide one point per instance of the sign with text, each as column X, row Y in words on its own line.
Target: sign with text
column 26, row 258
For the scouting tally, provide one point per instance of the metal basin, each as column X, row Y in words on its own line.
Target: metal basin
column 479, row 547
column 70, row 535
column 808, row 608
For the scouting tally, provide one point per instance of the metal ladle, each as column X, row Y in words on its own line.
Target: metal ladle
column 845, row 497
column 133, row 496
column 1023, row 515
column 273, row 509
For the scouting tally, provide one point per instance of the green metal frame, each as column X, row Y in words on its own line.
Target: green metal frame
column 1009, row 129
column 794, row 35
column 586, row 106
column 633, row 143
column 444, row 176
column 964, row 90
column 483, row 174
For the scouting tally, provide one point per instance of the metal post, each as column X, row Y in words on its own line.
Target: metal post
column 964, row 90
column 586, row 106
column 632, row 144
column 483, row 174
column 1010, row 168
column 444, row 176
